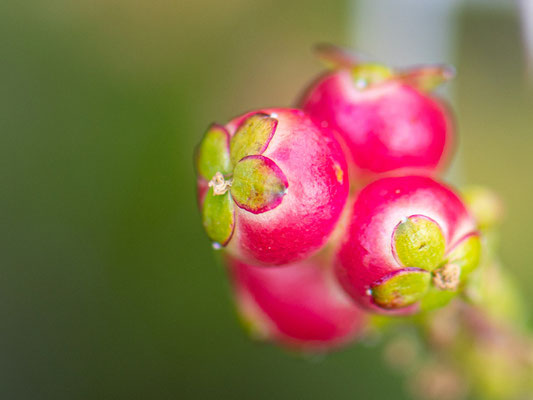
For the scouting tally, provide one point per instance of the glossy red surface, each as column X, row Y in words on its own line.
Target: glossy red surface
column 315, row 168
column 300, row 305
column 366, row 255
column 386, row 127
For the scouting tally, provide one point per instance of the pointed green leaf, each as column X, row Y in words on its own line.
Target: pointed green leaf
column 419, row 243
column 218, row 217
column 427, row 78
column 252, row 136
column 403, row 288
column 466, row 254
column 258, row 184
column 213, row 153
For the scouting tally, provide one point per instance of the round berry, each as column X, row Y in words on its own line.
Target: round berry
column 410, row 245
column 299, row 305
column 386, row 119
column 271, row 186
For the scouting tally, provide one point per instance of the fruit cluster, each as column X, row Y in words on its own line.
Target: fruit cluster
column 332, row 211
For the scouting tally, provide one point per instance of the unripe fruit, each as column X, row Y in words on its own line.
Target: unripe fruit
column 386, row 118
column 410, row 246
column 299, row 305
column 271, row 185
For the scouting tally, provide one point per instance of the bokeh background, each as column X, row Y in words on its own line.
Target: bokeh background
column 108, row 287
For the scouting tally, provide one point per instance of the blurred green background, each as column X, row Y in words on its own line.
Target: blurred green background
column 108, row 286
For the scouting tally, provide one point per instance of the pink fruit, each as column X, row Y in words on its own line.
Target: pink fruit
column 271, row 185
column 410, row 245
column 299, row 306
column 387, row 119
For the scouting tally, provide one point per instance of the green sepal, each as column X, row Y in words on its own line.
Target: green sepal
column 252, row 136
column 466, row 254
column 218, row 217
column 402, row 289
column 213, row 153
column 365, row 75
column 419, row 243
column 335, row 57
column 258, row 184
column 436, row 298
column 427, row 78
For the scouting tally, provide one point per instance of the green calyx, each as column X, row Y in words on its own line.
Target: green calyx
column 419, row 243
column 213, row 153
column 429, row 276
column 367, row 75
column 436, row 298
column 235, row 172
column 252, row 137
column 403, row 289
column 258, row 184
column 335, row 57
column 466, row 255
column 426, row 78
column 218, row 217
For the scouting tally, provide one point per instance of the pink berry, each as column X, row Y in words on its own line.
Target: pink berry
column 299, row 305
column 271, row 186
column 386, row 119
column 410, row 246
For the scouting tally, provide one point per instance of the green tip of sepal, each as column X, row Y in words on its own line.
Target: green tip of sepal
column 213, row 153
column 366, row 75
column 466, row 255
column 419, row 243
column 403, row 288
column 258, row 184
column 427, row 78
column 436, row 298
column 252, row 136
column 335, row 57
column 218, row 217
